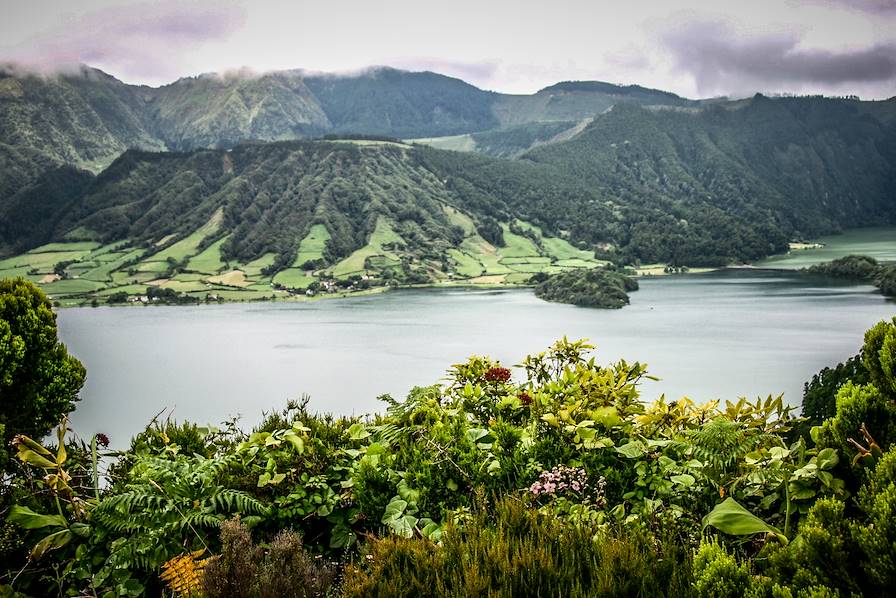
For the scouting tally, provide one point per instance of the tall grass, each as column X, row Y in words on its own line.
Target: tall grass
column 517, row 551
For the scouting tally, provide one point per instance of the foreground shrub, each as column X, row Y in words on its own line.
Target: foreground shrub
column 877, row 536
column 838, row 554
column 823, row 555
column 39, row 380
column 247, row 570
column 717, row 574
column 521, row 552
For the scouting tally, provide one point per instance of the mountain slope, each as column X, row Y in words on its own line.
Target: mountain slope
column 575, row 100
column 804, row 166
column 87, row 118
column 222, row 111
column 387, row 101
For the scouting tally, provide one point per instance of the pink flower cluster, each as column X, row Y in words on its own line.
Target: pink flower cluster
column 559, row 480
column 563, row 480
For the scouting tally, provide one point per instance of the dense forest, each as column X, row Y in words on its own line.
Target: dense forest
column 551, row 478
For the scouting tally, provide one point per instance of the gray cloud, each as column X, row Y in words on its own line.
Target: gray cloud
column 720, row 61
column 139, row 40
column 478, row 73
column 872, row 6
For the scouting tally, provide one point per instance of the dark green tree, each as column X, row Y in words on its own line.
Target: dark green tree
column 39, row 380
column 820, row 394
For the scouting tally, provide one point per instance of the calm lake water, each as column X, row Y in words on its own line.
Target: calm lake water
column 878, row 242
column 716, row 335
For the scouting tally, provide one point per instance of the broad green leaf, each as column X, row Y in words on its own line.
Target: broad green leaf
column 375, row 448
column 82, row 530
column 778, row 453
column 827, row 458
column 432, row 530
column 296, row 441
column 658, row 443
column 825, row 477
column 394, row 509
column 408, row 494
column 666, row 463
column 586, row 434
column 32, row 458
column 607, row 416
column 731, row 518
column 475, row 434
column 451, row 485
column 815, row 433
column 684, row 479
column 51, row 542
column 28, row 443
column 618, row 512
column 28, row 519
column 357, row 431
column 403, row 526
column 598, row 443
column 631, row 450
column 800, row 492
column 551, row 419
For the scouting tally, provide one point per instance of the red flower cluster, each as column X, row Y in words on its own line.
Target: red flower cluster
column 102, row 440
column 497, row 375
column 525, row 398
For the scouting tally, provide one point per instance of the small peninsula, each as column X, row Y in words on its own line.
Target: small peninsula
column 605, row 287
column 860, row 268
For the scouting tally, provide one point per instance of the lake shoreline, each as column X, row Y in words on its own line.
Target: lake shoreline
column 880, row 242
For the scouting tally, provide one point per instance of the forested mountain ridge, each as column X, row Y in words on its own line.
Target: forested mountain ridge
column 684, row 188
column 802, row 166
column 680, row 183
column 87, row 118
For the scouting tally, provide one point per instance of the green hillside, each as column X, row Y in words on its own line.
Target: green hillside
column 222, row 111
column 797, row 166
column 509, row 142
column 264, row 220
column 601, row 173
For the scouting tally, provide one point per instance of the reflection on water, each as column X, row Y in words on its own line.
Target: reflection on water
column 715, row 335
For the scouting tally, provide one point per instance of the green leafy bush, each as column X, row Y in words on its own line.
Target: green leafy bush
column 876, row 536
column 39, row 380
column 717, row 574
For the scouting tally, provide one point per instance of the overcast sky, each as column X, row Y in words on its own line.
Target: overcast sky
column 694, row 48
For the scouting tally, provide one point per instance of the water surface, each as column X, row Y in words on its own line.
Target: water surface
column 716, row 335
column 879, row 243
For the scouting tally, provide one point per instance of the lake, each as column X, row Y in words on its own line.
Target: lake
column 876, row 242
column 716, row 335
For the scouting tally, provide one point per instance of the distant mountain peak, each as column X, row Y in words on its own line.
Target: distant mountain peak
column 607, row 88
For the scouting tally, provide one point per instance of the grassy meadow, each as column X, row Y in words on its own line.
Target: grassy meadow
column 194, row 265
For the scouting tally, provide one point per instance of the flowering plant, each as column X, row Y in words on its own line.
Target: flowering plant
column 569, row 482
